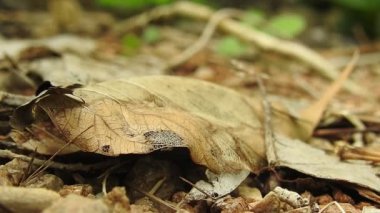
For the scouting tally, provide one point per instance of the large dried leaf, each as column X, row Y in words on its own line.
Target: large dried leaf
column 140, row 115
column 221, row 128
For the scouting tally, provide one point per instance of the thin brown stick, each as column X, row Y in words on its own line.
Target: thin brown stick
column 26, row 173
column 47, row 163
column 157, row 186
column 343, row 131
column 269, row 136
column 196, row 187
column 313, row 113
column 155, row 198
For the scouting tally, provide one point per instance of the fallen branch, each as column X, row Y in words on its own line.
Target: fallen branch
column 263, row 41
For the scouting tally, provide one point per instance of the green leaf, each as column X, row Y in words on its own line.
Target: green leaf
column 361, row 5
column 130, row 43
column 123, row 4
column 151, row 34
column 253, row 17
column 161, row 2
column 230, row 46
column 131, row 5
column 286, row 25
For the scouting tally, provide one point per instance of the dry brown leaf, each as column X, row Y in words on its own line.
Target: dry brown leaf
column 309, row 160
column 140, row 115
column 221, row 128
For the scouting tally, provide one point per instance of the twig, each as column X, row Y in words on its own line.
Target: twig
column 70, row 167
column 157, row 186
column 155, row 198
column 312, row 114
column 358, row 153
column 47, row 163
column 269, row 137
column 179, row 204
column 202, row 41
column 143, row 19
column 358, row 124
column 365, row 60
column 343, row 131
column 27, row 172
column 264, row 41
column 196, row 187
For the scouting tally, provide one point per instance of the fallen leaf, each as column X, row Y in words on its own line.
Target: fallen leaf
column 140, row 115
column 143, row 114
column 304, row 158
column 217, row 185
column 222, row 129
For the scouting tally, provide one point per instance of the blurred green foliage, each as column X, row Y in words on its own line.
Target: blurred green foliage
column 253, row 17
column 360, row 5
column 137, row 5
column 131, row 5
column 130, row 44
column 286, row 25
column 151, row 34
column 363, row 13
column 230, row 46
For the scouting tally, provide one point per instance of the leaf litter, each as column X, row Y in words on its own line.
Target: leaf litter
column 224, row 131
